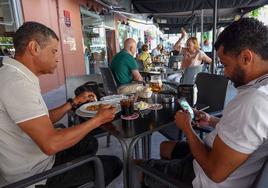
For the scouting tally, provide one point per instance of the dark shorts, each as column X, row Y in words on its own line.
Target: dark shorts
column 180, row 168
column 84, row 173
column 180, row 150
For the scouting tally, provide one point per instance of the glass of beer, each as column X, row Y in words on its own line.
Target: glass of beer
column 156, row 83
column 156, row 86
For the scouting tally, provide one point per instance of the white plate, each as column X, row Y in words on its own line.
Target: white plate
column 114, row 98
column 83, row 114
column 154, row 72
column 84, row 106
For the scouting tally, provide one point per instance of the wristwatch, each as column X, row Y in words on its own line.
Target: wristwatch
column 71, row 101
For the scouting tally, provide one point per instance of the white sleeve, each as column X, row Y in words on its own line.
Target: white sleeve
column 23, row 101
column 244, row 125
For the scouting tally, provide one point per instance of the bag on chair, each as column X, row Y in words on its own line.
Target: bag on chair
column 88, row 86
column 129, row 88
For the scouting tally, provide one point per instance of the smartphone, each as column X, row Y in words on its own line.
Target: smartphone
column 186, row 106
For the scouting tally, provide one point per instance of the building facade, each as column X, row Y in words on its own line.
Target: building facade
column 81, row 25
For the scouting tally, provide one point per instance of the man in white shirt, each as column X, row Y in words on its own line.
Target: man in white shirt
column 29, row 144
column 234, row 152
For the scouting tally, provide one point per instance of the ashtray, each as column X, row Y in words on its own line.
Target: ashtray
column 156, row 106
column 168, row 99
column 131, row 117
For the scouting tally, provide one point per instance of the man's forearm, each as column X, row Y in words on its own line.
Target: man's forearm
column 136, row 75
column 199, row 150
column 139, row 79
column 65, row 138
column 213, row 121
column 57, row 113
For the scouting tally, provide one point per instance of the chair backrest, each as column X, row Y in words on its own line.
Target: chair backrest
column 211, row 91
column 261, row 180
column 109, row 83
column 190, row 73
column 72, row 82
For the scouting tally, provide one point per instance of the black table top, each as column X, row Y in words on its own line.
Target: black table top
column 152, row 120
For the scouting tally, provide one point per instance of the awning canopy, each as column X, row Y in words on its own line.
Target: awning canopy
column 173, row 6
column 170, row 15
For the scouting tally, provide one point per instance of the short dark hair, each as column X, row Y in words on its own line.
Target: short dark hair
column 144, row 47
column 246, row 33
column 32, row 31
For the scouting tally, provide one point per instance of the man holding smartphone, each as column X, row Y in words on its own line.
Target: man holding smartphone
column 234, row 152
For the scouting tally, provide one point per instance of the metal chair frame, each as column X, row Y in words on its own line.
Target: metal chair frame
column 261, row 181
column 98, row 167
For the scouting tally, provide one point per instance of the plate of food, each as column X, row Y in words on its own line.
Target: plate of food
column 141, row 105
column 93, row 107
column 114, row 98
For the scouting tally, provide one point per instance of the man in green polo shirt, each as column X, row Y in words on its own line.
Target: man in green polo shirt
column 124, row 65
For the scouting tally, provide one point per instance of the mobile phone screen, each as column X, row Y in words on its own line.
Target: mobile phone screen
column 185, row 106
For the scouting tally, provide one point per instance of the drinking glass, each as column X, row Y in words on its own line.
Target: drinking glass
column 127, row 105
column 156, row 85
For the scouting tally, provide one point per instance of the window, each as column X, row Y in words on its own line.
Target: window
column 10, row 20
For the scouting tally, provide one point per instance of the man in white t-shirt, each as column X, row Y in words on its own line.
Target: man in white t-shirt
column 29, row 144
column 234, row 152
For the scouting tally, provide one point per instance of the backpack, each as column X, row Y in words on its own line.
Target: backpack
column 89, row 86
